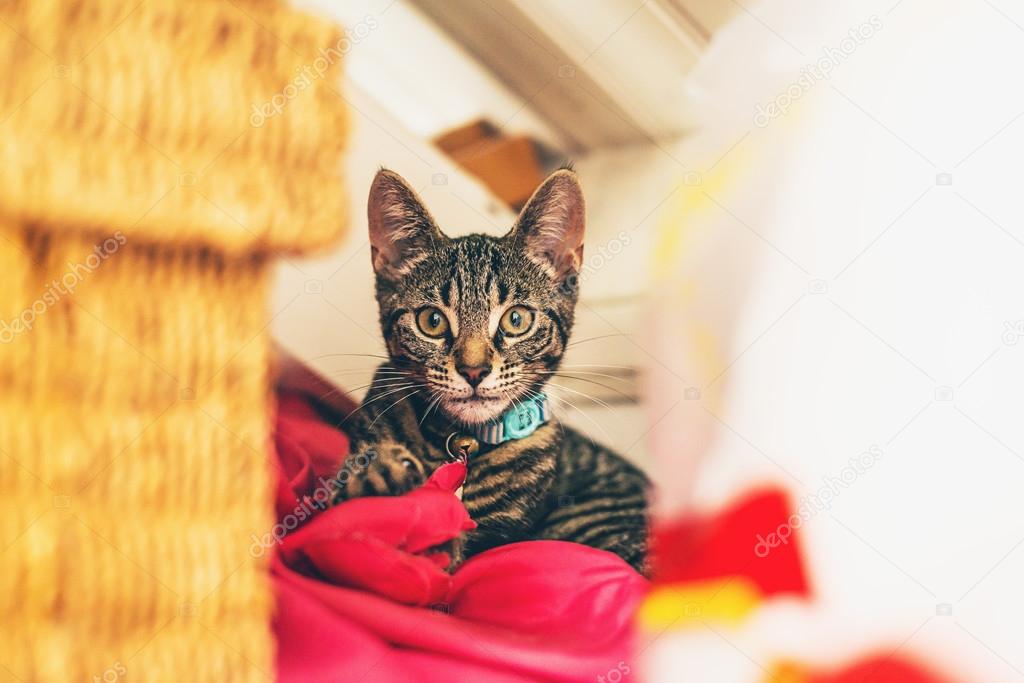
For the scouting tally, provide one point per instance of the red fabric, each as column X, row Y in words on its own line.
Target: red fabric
column 724, row 544
column 362, row 594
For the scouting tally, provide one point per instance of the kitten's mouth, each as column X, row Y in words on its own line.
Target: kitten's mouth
column 476, row 408
column 477, row 398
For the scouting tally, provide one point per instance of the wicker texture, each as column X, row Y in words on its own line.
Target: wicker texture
column 171, row 86
column 134, row 412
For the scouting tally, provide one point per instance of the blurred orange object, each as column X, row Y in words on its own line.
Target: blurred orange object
column 509, row 166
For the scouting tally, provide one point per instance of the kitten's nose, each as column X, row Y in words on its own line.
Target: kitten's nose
column 474, row 374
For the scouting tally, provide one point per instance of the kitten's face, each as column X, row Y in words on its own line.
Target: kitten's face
column 479, row 321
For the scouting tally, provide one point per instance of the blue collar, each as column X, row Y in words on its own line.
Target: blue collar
column 518, row 422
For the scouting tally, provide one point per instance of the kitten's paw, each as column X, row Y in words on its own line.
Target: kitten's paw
column 388, row 470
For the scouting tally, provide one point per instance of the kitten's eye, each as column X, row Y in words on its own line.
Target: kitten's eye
column 516, row 321
column 432, row 322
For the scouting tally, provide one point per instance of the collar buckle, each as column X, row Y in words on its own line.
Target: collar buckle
column 518, row 422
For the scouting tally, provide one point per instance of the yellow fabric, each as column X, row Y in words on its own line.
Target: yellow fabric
column 139, row 214
column 728, row 600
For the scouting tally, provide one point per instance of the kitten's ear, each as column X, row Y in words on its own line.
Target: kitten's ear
column 550, row 226
column 401, row 230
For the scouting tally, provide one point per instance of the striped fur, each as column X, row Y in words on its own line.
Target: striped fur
column 554, row 484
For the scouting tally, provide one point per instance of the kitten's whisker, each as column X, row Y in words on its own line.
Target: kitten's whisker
column 377, row 383
column 511, row 397
column 583, row 394
column 394, row 378
column 600, row 384
column 531, row 394
column 596, row 365
column 379, row 397
column 332, row 392
column 337, row 377
column 431, row 406
column 585, row 372
column 394, row 373
column 393, row 388
column 534, row 394
column 382, row 382
column 354, row 389
column 589, row 419
column 545, row 376
column 400, row 399
column 584, row 414
column 603, row 336
column 380, row 367
column 351, row 371
column 339, row 355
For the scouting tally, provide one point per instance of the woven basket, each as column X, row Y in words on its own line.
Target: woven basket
column 153, row 160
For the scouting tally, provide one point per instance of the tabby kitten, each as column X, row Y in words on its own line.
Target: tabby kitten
column 474, row 328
